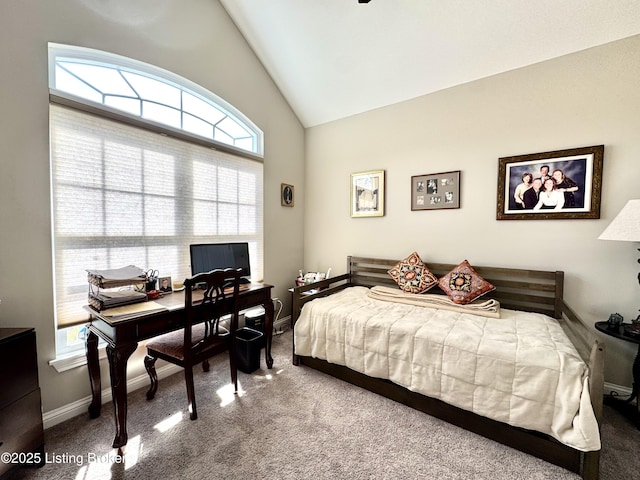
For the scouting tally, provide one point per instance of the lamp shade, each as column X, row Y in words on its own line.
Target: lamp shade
column 626, row 226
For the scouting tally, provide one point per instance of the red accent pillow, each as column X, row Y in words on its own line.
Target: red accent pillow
column 463, row 284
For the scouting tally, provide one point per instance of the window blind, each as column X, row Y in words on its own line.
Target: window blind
column 122, row 195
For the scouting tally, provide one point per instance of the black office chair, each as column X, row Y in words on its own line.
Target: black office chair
column 202, row 336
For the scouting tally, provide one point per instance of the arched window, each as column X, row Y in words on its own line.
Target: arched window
column 149, row 93
column 143, row 164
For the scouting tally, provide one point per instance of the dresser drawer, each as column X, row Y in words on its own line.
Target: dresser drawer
column 21, row 427
column 18, row 367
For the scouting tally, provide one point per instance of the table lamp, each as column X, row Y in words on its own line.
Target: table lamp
column 625, row 227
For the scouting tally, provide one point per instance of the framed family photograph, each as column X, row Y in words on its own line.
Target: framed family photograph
column 564, row 184
column 435, row 191
column 367, row 194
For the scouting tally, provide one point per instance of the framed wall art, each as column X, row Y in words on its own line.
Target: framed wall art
column 564, row 184
column 286, row 195
column 367, row 194
column 435, row 191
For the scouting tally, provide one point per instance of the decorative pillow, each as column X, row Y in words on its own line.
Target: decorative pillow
column 463, row 284
column 412, row 275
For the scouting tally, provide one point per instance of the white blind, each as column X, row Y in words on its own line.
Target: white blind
column 123, row 195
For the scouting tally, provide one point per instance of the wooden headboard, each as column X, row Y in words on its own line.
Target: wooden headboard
column 516, row 289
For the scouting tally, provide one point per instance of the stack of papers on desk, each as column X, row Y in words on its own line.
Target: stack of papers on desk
column 117, row 277
column 115, row 298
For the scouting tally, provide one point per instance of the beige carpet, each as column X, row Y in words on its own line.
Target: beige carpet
column 296, row 423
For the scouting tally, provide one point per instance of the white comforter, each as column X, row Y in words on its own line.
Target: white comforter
column 520, row 369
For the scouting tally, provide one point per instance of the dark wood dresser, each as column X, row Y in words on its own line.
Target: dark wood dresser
column 21, row 431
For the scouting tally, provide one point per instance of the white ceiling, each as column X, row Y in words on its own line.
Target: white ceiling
column 336, row 58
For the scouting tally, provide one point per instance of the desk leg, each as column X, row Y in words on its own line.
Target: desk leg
column 268, row 330
column 118, row 358
column 93, row 365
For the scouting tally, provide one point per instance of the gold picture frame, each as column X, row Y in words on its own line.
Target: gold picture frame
column 286, row 195
column 367, row 194
column 580, row 183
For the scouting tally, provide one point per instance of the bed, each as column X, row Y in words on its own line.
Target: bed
column 531, row 297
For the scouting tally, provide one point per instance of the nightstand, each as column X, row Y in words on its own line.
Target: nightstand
column 625, row 406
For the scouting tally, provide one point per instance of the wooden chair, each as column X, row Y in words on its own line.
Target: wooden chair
column 202, row 336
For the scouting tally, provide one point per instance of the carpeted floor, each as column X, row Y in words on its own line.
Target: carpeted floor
column 296, row 423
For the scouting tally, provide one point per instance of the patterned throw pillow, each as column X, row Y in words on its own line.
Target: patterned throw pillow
column 412, row 275
column 463, row 284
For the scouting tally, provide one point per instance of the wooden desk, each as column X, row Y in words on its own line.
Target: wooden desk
column 122, row 337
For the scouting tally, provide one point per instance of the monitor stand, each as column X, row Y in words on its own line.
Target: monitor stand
column 243, row 281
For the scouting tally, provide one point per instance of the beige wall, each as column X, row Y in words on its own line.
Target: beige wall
column 583, row 99
column 588, row 98
column 192, row 38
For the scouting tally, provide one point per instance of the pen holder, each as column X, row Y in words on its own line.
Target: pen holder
column 150, row 284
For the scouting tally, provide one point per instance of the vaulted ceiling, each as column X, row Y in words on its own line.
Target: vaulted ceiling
column 335, row 58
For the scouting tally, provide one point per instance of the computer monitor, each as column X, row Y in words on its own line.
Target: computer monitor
column 209, row 256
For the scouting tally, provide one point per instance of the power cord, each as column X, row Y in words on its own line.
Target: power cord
column 281, row 305
column 279, row 310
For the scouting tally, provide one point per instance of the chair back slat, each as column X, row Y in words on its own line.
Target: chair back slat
column 219, row 287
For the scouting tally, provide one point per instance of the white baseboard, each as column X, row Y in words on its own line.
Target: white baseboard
column 617, row 389
column 79, row 407
column 282, row 325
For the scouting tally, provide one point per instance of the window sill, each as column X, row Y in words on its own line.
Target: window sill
column 74, row 360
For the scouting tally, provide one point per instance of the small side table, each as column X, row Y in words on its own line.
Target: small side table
column 625, row 406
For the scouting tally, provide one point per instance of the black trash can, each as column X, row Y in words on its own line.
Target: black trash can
column 248, row 349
